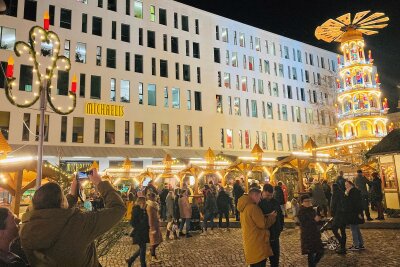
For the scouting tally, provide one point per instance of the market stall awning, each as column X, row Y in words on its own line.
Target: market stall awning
column 390, row 144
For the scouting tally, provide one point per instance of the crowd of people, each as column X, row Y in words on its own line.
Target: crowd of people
column 55, row 233
column 262, row 217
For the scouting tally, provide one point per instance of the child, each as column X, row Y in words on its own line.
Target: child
column 311, row 243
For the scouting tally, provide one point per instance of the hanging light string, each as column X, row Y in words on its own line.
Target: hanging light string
column 44, row 80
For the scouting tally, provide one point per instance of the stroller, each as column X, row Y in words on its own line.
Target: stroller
column 195, row 224
column 328, row 240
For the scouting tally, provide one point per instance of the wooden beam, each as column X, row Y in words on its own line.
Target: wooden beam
column 16, row 202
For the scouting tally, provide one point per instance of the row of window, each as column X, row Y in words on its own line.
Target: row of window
column 227, row 137
column 251, row 108
column 264, row 67
column 257, row 85
column 255, row 44
column 30, row 13
column 109, row 131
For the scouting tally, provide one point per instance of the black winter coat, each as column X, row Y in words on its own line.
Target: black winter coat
column 268, row 206
column 163, row 195
column 338, row 206
column 310, row 235
column 140, row 223
column 237, row 191
column 223, row 202
column 353, row 207
column 279, row 195
column 376, row 190
column 211, row 204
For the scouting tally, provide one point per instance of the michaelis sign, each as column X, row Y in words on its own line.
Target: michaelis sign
column 104, row 110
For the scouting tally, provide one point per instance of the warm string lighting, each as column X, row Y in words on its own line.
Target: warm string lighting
column 43, row 80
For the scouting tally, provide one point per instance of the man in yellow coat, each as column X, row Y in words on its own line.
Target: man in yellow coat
column 255, row 227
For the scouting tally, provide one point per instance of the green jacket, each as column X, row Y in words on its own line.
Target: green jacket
column 65, row 237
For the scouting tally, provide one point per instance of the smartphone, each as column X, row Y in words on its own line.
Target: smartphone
column 82, row 175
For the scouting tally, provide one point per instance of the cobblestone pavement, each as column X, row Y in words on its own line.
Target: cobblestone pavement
column 225, row 249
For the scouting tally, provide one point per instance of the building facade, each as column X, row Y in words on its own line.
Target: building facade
column 158, row 77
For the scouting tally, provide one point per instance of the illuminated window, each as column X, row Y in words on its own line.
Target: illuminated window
column 280, row 141
column 236, row 106
column 224, row 35
column 127, row 130
column 165, row 97
column 151, row 95
column 254, row 113
column 251, row 63
column 244, row 83
column 112, row 89
column 188, row 136
column 219, row 106
column 258, row 44
column 152, row 13
column 97, row 131
column 234, row 59
column 77, row 130
column 80, row 53
column 242, row 40
column 264, row 140
column 270, row 111
column 247, row 139
column 7, row 38
column 140, row 91
column 5, row 124
column 125, row 91
column 109, row 132
column 284, row 112
column 164, row 134
column 240, row 139
column 138, row 9
column 176, row 98
column 138, row 133
column 227, row 80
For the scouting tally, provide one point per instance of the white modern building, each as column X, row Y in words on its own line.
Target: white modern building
column 158, row 77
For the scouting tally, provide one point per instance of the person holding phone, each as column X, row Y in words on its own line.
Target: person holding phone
column 255, row 227
column 268, row 205
column 56, row 233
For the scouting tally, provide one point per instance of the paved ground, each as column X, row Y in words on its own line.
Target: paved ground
column 225, row 249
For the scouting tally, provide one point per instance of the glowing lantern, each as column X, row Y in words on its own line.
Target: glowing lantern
column 46, row 21
column 10, row 67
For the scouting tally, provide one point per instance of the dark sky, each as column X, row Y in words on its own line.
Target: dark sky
column 298, row 20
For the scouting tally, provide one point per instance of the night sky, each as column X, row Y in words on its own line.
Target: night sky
column 298, row 20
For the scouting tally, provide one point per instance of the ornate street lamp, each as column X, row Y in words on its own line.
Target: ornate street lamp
column 45, row 73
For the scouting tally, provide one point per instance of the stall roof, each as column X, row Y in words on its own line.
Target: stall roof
column 390, row 144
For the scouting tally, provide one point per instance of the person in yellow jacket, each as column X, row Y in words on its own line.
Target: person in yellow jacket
column 255, row 227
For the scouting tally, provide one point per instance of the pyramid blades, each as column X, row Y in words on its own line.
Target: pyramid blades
column 359, row 16
column 345, row 19
column 332, row 23
column 375, row 21
column 379, row 26
column 368, row 32
column 372, row 17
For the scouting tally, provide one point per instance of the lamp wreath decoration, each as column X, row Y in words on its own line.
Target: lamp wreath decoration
column 37, row 36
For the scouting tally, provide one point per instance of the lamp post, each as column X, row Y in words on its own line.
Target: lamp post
column 45, row 73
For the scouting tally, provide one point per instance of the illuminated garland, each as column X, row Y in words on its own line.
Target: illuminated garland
column 20, row 48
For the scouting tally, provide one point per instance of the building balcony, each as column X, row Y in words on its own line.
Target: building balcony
column 357, row 87
column 362, row 113
column 355, row 62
